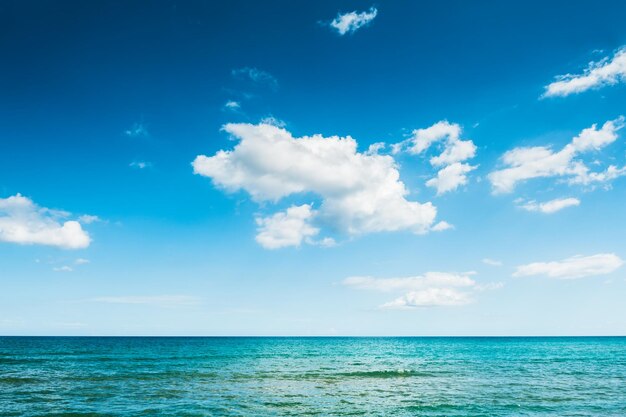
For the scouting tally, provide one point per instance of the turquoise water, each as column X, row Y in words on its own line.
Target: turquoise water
column 313, row 376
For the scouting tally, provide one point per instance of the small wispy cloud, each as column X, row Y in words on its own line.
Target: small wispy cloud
column 63, row 268
column 81, row 261
column 491, row 262
column 140, row 164
column 551, row 206
column 572, row 268
column 441, row 226
column 232, row 105
column 352, row 21
column 256, row 75
column 137, row 130
column 88, row 219
column 608, row 71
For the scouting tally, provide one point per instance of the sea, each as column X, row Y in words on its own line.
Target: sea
column 313, row 376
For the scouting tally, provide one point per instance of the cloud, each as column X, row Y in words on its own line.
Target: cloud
column 419, row 282
column 81, row 261
column 361, row 192
column 608, row 71
column 232, row 105
column 491, row 262
column 430, row 297
column 450, row 178
column 428, row 290
column 541, row 161
column 286, row 228
column 140, row 164
column 23, row 222
column 574, row 267
column 158, row 300
column 256, row 75
column 452, row 171
column 88, row 219
column 63, row 268
column 137, row 130
column 351, row 22
column 551, row 206
column 441, row 226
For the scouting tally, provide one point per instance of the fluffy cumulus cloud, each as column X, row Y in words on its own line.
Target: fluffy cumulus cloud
column 572, row 268
column 608, row 71
column 286, row 228
column 351, row 22
column 551, row 206
column 428, row 290
column 360, row 192
column 23, row 222
column 452, row 168
column 526, row 163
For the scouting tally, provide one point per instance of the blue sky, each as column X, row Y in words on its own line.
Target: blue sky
column 318, row 168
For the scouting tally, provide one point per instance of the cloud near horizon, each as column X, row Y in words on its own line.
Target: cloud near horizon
column 608, row 71
column 574, row 267
column 429, row 290
column 25, row 223
column 360, row 192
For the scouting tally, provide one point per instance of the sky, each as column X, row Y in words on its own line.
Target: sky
column 312, row 168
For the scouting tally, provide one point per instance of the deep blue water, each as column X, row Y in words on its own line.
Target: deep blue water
column 313, row 376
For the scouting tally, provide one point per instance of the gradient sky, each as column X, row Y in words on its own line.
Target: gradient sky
column 110, row 224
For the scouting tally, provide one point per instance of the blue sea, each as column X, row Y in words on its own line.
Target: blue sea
column 273, row 376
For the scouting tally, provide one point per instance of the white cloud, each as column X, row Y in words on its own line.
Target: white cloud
column 551, row 206
column 232, row 105
column 574, row 267
column 361, row 192
column 159, row 300
column 140, row 164
column 428, row 290
column 441, row 226
column 608, row 71
column 23, row 222
column 419, row 282
column 256, row 75
column 452, row 172
column 541, row 161
column 491, row 262
column 286, row 228
column 351, row 22
column 63, row 268
column 430, row 297
column 271, row 120
column 88, row 219
column 450, row 178
column 81, row 261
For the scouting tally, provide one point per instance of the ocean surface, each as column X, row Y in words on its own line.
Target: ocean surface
column 312, row 376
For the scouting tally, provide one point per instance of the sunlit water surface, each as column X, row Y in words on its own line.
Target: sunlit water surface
column 313, row 376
